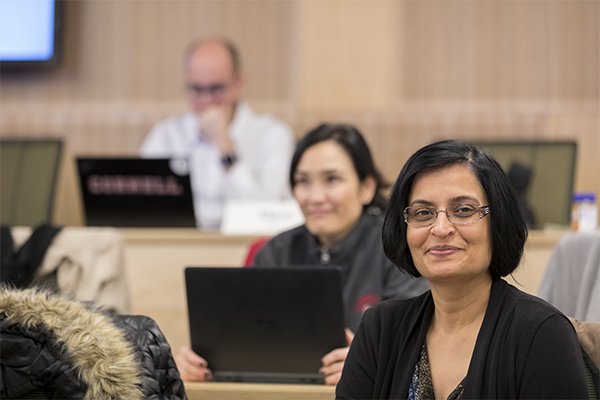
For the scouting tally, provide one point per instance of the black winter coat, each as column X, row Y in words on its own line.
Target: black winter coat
column 67, row 350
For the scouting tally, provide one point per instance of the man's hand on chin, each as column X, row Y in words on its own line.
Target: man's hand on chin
column 214, row 126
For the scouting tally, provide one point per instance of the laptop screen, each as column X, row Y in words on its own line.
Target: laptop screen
column 135, row 192
column 265, row 324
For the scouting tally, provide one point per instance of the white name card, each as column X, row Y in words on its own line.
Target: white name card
column 260, row 217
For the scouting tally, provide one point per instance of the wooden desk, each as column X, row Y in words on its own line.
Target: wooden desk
column 155, row 260
column 258, row 391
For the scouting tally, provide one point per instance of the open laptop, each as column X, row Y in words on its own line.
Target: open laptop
column 265, row 324
column 136, row 192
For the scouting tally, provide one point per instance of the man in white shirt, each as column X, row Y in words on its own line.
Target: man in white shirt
column 233, row 152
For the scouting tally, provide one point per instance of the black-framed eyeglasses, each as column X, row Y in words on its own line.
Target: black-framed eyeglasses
column 214, row 90
column 458, row 214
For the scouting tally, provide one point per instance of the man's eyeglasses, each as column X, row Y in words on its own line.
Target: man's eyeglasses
column 458, row 214
column 214, row 90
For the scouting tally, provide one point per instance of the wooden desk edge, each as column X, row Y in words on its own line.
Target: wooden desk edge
column 226, row 390
column 165, row 235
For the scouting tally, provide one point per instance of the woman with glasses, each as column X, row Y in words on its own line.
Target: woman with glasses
column 454, row 219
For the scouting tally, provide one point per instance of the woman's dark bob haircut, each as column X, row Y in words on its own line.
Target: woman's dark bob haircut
column 355, row 146
column 508, row 230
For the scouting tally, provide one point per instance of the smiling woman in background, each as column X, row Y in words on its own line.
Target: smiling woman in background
column 337, row 186
column 454, row 219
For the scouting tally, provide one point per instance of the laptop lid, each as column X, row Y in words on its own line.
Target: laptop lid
column 136, row 192
column 265, row 324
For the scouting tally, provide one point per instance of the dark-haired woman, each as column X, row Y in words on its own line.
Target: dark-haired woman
column 337, row 186
column 454, row 219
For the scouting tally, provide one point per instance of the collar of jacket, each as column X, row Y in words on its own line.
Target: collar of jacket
column 348, row 246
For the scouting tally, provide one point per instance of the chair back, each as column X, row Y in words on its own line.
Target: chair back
column 571, row 282
column 253, row 250
column 592, row 378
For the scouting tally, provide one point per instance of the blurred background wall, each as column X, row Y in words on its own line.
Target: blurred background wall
column 405, row 72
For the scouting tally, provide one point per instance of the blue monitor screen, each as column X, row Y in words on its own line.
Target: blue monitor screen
column 27, row 30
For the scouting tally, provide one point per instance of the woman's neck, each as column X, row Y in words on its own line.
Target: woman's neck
column 457, row 307
column 334, row 240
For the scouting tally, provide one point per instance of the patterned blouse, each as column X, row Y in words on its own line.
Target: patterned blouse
column 421, row 386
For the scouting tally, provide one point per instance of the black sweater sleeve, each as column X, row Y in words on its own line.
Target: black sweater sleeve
column 554, row 367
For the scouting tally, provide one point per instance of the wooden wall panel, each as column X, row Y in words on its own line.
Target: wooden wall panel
column 347, row 55
column 263, row 30
column 500, row 51
column 515, row 46
column 579, row 50
column 585, row 130
column 405, row 72
column 437, row 51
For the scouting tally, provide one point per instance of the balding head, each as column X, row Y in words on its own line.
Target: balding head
column 212, row 71
column 214, row 44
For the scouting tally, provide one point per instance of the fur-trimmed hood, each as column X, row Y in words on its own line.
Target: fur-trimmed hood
column 94, row 347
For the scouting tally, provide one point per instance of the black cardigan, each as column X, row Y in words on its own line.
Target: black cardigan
column 526, row 349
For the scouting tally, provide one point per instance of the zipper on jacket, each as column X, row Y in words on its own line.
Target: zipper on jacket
column 325, row 257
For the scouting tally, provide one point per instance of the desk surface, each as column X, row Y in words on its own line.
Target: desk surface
column 181, row 235
column 262, row 391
